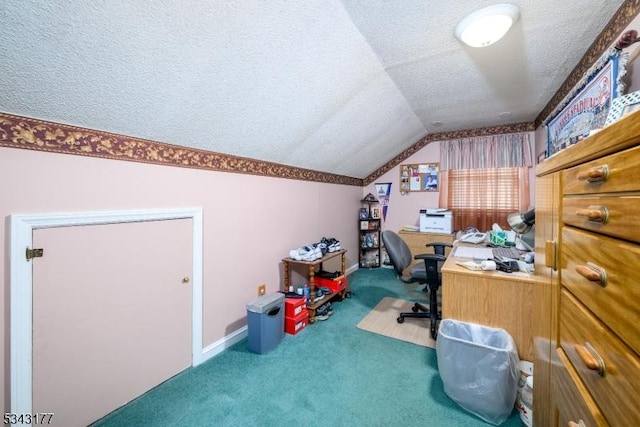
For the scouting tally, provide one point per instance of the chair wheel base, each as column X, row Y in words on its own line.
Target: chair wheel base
column 400, row 319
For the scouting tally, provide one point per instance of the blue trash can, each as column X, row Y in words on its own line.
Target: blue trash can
column 265, row 322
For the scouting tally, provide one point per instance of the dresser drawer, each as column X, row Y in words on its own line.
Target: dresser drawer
column 573, row 401
column 614, row 173
column 615, row 303
column 621, row 215
column 613, row 391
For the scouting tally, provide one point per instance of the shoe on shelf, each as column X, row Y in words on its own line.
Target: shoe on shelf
column 328, row 275
column 325, row 309
column 314, row 252
column 323, row 247
column 295, row 254
column 317, row 251
column 333, row 244
column 323, row 316
column 324, row 290
column 300, row 254
column 329, row 309
column 305, row 253
column 319, row 295
column 322, row 313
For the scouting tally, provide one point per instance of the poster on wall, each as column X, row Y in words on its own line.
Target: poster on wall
column 587, row 106
column 383, row 191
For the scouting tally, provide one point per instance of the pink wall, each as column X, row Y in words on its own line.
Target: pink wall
column 250, row 222
column 405, row 209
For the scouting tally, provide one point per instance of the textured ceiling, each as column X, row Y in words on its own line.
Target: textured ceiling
column 328, row 85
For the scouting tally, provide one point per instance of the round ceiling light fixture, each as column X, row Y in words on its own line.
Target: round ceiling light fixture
column 486, row 26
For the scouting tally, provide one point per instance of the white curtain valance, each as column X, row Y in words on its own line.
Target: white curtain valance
column 486, row 152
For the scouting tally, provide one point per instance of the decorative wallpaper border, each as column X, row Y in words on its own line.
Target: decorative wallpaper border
column 445, row 136
column 40, row 135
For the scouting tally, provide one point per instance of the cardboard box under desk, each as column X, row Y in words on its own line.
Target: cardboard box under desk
column 293, row 325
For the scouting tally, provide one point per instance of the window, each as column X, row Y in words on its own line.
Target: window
column 484, row 179
column 481, row 197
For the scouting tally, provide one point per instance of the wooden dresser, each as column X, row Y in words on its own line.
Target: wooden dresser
column 587, row 339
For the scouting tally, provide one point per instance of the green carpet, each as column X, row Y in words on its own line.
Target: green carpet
column 330, row 374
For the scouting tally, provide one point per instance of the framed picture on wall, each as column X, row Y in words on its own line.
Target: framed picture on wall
column 419, row 177
column 375, row 213
column 364, row 213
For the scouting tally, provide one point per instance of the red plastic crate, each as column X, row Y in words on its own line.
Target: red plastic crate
column 293, row 325
column 335, row 285
column 293, row 307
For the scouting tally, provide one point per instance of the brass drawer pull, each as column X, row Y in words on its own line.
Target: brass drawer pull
column 593, row 273
column 590, row 358
column 599, row 214
column 593, row 175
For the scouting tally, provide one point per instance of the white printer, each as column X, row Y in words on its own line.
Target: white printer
column 436, row 221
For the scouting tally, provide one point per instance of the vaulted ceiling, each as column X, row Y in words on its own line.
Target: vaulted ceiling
column 334, row 86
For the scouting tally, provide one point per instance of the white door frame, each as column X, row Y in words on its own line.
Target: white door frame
column 21, row 282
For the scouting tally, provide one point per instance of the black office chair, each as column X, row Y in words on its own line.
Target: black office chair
column 439, row 247
column 427, row 273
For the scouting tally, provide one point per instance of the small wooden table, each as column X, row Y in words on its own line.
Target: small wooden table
column 311, row 265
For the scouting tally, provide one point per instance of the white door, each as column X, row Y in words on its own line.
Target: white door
column 111, row 315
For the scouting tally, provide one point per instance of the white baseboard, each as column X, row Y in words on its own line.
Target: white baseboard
column 222, row 344
column 351, row 269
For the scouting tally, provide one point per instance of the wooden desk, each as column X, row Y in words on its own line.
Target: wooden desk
column 490, row 298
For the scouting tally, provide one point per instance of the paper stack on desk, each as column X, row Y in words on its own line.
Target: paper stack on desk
column 471, row 265
column 473, row 252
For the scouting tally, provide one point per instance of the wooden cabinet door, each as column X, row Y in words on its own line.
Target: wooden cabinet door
column 111, row 315
column 545, row 294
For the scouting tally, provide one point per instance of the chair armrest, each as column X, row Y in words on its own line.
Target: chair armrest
column 430, row 256
column 438, row 244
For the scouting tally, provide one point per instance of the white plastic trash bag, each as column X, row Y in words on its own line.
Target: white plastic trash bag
column 479, row 368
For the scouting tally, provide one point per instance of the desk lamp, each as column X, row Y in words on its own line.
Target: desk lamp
column 522, row 222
